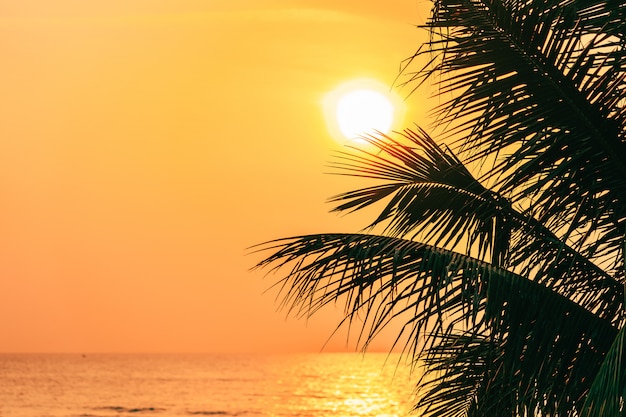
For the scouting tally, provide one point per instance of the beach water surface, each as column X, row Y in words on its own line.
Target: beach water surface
column 155, row 385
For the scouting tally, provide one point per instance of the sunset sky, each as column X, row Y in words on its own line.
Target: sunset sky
column 146, row 144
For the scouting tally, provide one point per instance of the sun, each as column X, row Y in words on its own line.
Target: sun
column 364, row 111
column 361, row 107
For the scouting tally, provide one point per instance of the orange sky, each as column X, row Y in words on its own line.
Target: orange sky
column 145, row 144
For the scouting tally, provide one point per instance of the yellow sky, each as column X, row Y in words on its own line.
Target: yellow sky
column 145, row 144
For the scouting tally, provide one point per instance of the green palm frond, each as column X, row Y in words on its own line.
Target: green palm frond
column 607, row 395
column 549, row 348
column 542, row 83
column 378, row 277
column 429, row 192
column 541, row 362
column 457, row 368
column 508, row 286
column 435, row 293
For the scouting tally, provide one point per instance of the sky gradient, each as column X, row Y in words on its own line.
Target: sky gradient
column 146, row 144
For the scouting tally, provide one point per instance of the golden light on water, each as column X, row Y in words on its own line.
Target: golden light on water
column 180, row 385
column 334, row 384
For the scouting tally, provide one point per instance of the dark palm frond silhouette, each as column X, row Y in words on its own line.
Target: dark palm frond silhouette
column 508, row 286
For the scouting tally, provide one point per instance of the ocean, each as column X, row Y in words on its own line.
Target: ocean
column 168, row 385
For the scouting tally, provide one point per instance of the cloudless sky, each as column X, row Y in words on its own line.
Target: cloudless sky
column 146, row 144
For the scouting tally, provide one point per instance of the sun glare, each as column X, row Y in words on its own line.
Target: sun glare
column 361, row 107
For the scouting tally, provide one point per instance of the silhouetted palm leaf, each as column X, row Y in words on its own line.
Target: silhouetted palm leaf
column 542, row 82
column 430, row 192
column 606, row 396
column 509, row 286
column 435, row 293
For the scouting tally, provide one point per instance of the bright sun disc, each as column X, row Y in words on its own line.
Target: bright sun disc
column 364, row 111
column 361, row 107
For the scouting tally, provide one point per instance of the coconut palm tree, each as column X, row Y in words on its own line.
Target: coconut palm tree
column 501, row 254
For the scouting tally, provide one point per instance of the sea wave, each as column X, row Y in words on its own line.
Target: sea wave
column 296, row 385
column 130, row 409
column 221, row 413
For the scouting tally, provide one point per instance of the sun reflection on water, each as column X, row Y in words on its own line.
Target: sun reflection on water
column 306, row 385
column 342, row 385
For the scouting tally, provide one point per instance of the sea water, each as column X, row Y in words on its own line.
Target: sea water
column 159, row 385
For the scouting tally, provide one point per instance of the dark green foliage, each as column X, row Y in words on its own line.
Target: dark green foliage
column 509, row 287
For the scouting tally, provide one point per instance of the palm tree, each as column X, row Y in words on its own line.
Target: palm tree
column 509, row 282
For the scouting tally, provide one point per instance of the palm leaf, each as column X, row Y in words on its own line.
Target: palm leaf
column 435, row 293
column 430, row 193
column 513, row 294
column 542, row 82
column 607, row 395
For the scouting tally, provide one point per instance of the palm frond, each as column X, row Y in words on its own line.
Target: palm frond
column 429, row 192
column 525, row 368
column 544, row 83
column 607, row 396
column 455, row 372
column 435, row 293
column 378, row 277
column 509, row 287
